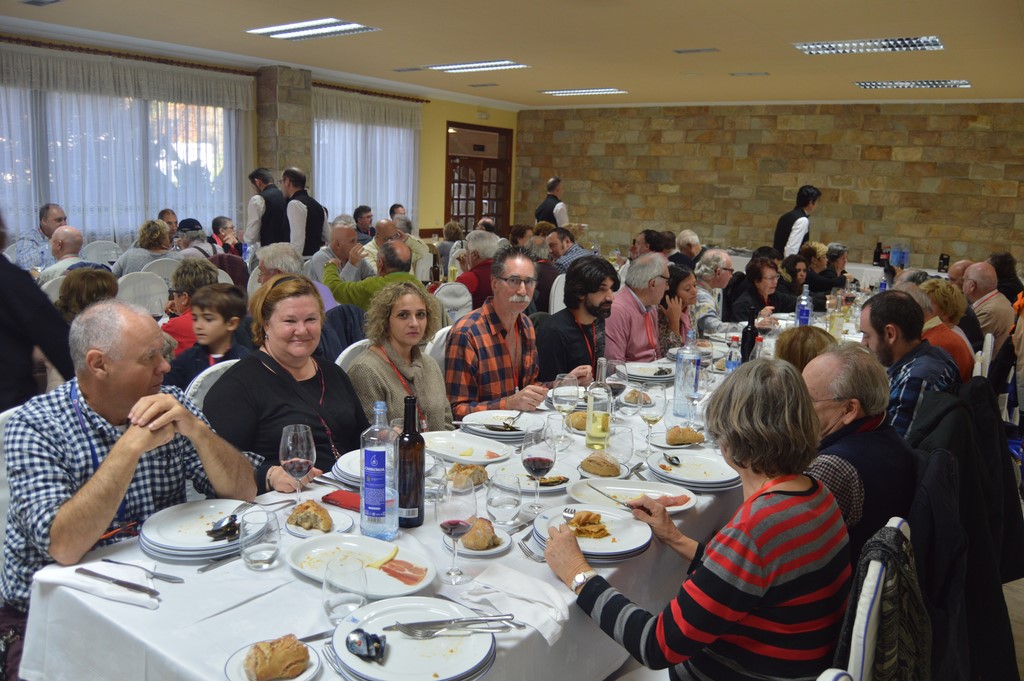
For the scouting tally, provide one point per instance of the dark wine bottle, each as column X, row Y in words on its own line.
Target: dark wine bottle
column 410, row 468
column 435, row 269
column 876, row 259
column 749, row 336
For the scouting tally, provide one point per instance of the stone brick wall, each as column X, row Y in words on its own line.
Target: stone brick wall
column 943, row 178
column 284, row 119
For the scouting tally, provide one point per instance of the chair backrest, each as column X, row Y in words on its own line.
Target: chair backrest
column 235, row 267
column 422, row 268
column 52, row 288
column 5, row 491
column 9, row 252
column 202, row 383
column 223, row 277
column 254, row 281
column 555, row 301
column 347, row 321
column 102, row 251
column 349, row 354
column 163, row 267
column 834, row 675
column 143, row 288
column 456, row 300
column 435, row 346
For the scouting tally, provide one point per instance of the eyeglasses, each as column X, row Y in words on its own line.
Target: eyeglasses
column 174, row 291
column 830, row 399
column 771, row 277
column 727, row 269
column 516, row 282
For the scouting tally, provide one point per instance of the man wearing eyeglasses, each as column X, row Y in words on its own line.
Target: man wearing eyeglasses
column 713, row 274
column 631, row 332
column 491, row 353
column 476, row 264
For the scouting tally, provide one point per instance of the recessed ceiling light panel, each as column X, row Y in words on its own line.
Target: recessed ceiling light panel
column 483, row 85
column 748, row 74
column 578, row 93
column 927, row 43
column 696, row 50
column 471, row 67
column 911, row 84
column 315, row 28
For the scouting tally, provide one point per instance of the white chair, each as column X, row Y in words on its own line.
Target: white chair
column 202, row 383
column 5, row 491
column 349, row 354
column 223, row 277
column 52, row 288
column 435, row 346
column 254, row 281
column 102, row 251
column 834, row 675
column 144, row 288
column 9, row 252
column 456, row 300
column 163, row 267
column 422, row 267
column 555, row 302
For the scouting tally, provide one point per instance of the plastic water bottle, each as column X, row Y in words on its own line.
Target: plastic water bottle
column 378, row 491
column 882, row 286
column 732, row 356
column 804, row 307
column 758, row 348
column 687, row 375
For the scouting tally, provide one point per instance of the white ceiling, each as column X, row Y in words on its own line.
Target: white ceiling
column 576, row 44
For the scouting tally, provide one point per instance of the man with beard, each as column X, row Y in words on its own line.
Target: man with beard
column 891, row 324
column 575, row 336
column 490, row 360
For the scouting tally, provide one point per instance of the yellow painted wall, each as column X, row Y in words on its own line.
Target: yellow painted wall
column 433, row 139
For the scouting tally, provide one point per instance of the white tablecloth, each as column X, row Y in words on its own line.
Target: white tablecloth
column 199, row 624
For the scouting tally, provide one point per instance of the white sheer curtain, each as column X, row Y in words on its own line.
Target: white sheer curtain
column 365, row 151
column 115, row 141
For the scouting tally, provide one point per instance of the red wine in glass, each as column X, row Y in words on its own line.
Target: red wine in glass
column 455, row 528
column 297, row 468
column 538, row 466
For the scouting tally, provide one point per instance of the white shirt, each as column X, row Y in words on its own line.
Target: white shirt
column 796, row 236
column 253, row 217
column 296, row 212
column 561, row 212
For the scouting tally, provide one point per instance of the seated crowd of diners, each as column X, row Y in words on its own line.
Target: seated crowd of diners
column 818, row 434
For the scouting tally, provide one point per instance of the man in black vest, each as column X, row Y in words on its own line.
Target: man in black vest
column 307, row 219
column 265, row 221
column 794, row 228
column 551, row 209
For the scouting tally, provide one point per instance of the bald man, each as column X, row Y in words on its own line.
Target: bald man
column 384, row 231
column 65, row 246
column 343, row 239
column 995, row 314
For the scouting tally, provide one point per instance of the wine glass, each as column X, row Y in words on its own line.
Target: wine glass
column 652, row 409
column 504, row 497
column 617, row 382
column 565, row 395
column 456, row 513
column 537, row 465
column 297, row 453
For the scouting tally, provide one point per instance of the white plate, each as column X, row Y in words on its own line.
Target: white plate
column 627, row 534
column 658, row 440
column 699, row 469
column 515, row 467
column 342, row 523
column 183, row 527
column 627, row 490
column 465, row 448
column 234, row 668
column 347, row 466
column 502, row 535
column 648, row 371
column 623, row 472
column 495, row 417
column 310, row 557
column 440, row 659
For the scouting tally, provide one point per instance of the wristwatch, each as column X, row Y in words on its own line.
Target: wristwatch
column 580, row 579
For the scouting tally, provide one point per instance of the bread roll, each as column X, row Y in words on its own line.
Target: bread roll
column 310, row 515
column 600, row 464
column 282, row 658
column 461, row 471
column 633, row 397
column 683, row 436
column 578, row 420
column 481, row 536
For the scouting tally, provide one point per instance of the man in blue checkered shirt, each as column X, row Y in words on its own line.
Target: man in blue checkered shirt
column 106, row 449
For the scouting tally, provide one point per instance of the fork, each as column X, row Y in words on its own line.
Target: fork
column 510, row 421
column 635, row 470
column 331, row 655
column 515, row 623
column 426, row 634
column 530, row 553
column 568, row 513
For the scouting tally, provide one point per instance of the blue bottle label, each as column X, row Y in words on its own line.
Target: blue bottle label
column 374, row 478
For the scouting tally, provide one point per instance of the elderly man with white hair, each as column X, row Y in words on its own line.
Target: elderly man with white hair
column 713, row 274
column 995, row 314
column 65, row 246
column 343, row 238
column 689, row 248
column 282, row 258
column 476, row 264
column 631, row 332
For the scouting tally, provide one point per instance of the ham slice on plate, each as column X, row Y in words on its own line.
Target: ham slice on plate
column 404, row 571
column 678, row 500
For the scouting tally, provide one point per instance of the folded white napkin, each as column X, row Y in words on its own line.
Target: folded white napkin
column 66, row 576
column 539, row 604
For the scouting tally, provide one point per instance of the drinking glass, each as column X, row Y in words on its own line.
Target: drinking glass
column 620, row 444
column 537, row 465
column 565, row 395
column 555, row 434
column 625, row 407
column 259, row 538
column 456, row 512
column 652, row 409
column 617, row 382
column 297, row 453
column 343, row 588
column 435, row 475
column 504, row 498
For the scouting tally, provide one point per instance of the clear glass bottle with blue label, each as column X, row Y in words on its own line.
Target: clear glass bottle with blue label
column 378, row 489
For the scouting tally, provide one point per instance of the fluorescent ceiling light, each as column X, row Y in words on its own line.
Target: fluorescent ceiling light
column 576, row 93
column 315, row 28
column 483, row 85
column 696, row 50
column 744, row 74
column 928, row 42
column 470, row 67
column 911, row 84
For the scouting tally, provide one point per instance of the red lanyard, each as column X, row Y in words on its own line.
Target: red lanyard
column 511, row 360
column 401, row 378
column 651, row 337
column 591, row 350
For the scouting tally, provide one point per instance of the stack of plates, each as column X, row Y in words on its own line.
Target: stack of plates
column 653, row 372
column 446, row 658
column 346, row 468
column 179, row 532
column 698, row 472
column 627, row 538
column 477, row 422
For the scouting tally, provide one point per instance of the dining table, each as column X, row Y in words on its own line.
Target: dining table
column 201, row 622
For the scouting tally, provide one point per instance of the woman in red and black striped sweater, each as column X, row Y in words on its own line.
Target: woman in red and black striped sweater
column 765, row 597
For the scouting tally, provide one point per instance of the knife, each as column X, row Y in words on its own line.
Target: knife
column 458, row 621
column 609, row 496
column 119, row 582
column 218, row 563
column 317, row 636
column 162, row 576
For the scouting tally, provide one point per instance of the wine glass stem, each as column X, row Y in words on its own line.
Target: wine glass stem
column 536, row 492
column 455, row 556
column 650, row 427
